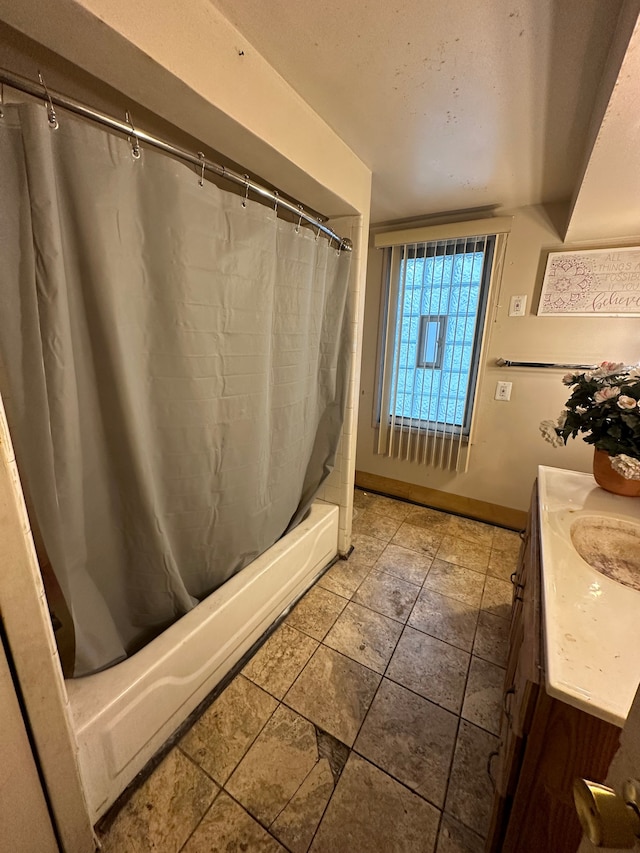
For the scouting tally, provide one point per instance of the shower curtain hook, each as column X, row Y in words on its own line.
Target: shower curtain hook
column 246, row 190
column 318, row 234
column 301, row 209
column 276, row 199
column 53, row 119
column 201, row 156
column 1, row 100
column 135, row 145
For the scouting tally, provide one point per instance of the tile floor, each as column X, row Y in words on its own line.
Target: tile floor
column 365, row 722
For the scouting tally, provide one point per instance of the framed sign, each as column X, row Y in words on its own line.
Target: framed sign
column 602, row 282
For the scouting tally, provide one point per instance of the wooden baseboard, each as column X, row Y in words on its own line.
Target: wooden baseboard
column 515, row 519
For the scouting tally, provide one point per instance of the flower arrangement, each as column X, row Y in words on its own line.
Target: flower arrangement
column 605, row 406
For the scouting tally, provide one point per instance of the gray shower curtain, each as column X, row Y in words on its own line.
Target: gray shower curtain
column 174, row 368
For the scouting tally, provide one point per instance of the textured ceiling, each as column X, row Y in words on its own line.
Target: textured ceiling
column 453, row 105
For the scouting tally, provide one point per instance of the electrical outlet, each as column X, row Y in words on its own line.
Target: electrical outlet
column 503, row 391
column 517, row 306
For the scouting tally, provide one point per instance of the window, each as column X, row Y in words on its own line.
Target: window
column 434, row 317
column 431, row 338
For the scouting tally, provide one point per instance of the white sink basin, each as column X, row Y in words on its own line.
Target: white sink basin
column 609, row 545
column 590, row 554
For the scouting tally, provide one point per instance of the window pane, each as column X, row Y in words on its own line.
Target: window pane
column 437, row 330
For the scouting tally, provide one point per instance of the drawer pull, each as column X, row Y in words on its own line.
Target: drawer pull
column 492, row 755
column 506, row 704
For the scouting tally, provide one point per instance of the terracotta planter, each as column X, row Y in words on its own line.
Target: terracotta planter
column 610, row 480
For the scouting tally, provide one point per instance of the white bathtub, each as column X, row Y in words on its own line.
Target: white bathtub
column 123, row 716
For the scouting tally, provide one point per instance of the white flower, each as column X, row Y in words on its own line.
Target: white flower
column 605, row 394
column 549, row 433
column 625, row 402
column 627, row 466
column 568, row 378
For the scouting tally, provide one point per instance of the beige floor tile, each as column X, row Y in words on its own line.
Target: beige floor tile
column 471, row 531
column 431, row 668
column 445, row 618
column 410, row 738
column 502, row 564
column 418, row 539
column 431, row 519
column 366, row 549
column 222, row 735
column 372, row 813
column 317, row 612
column 282, row 758
column 455, row 581
column 497, row 597
column 456, row 838
column 277, row 664
column 388, row 595
column 470, row 794
column 492, row 638
column 227, row 827
column 365, row 636
column 297, row 822
column 398, row 510
column 335, row 693
column 164, row 811
column 362, row 499
column 507, row 540
column 483, row 696
column 344, row 577
column 404, row 564
column 373, row 524
column 471, row 555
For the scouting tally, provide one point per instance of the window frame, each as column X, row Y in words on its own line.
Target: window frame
column 441, row 428
column 497, row 228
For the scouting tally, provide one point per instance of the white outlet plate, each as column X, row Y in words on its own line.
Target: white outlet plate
column 503, row 391
column 518, row 306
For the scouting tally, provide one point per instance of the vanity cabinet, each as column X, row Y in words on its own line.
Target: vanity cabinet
column 544, row 742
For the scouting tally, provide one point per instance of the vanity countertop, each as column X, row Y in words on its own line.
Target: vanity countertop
column 591, row 622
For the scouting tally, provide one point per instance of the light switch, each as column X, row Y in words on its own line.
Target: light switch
column 518, row 306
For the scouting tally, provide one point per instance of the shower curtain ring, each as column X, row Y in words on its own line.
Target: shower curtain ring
column 201, row 156
column 53, row 119
column 135, row 144
column 318, row 234
column 1, row 100
column 301, row 209
column 276, row 199
column 246, row 190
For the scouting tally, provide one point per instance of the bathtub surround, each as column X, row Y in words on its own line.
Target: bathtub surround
column 176, row 364
column 356, row 726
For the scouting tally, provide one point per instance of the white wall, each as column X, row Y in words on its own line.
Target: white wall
column 507, row 447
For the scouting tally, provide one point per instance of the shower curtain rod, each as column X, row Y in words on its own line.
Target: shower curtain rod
column 40, row 90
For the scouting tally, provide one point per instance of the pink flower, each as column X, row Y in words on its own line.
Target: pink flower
column 568, row 378
column 608, row 368
column 604, row 394
column 625, row 402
